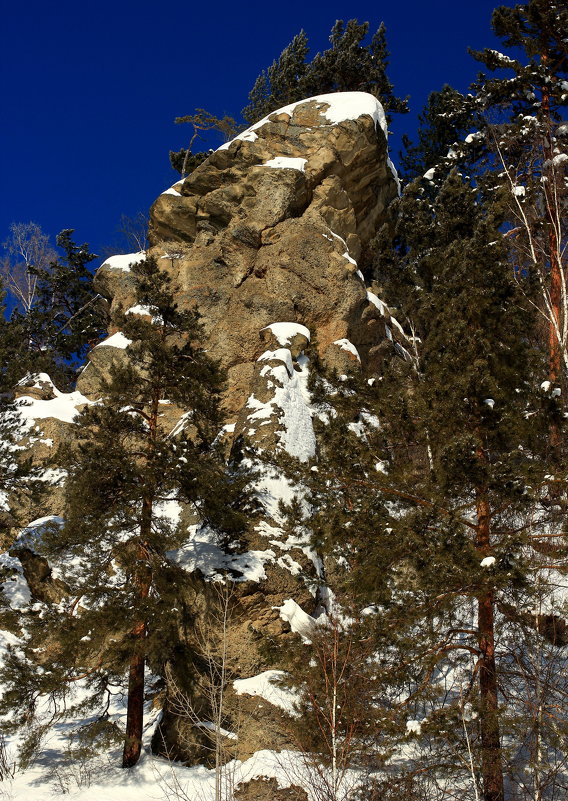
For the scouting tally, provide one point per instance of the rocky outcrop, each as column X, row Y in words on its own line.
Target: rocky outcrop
column 270, row 228
column 265, row 238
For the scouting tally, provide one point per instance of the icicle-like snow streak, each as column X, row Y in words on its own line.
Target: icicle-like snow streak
column 300, row 622
column 290, row 403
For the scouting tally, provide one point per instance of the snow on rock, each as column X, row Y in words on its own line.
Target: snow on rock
column 202, row 552
column 271, row 488
column 117, row 340
column 348, row 346
column 65, row 406
column 280, row 354
column 290, row 403
column 342, row 106
column 300, row 622
column 124, row 261
column 174, row 190
column 285, row 332
column 145, row 311
column 265, row 685
column 140, row 309
column 372, row 298
column 37, row 381
column 286, row 163
column 15, row 588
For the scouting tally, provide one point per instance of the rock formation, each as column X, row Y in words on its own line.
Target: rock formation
column 269, row 229
column 264, row 238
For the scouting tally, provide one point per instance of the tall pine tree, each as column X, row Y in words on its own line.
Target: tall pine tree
column 126, row 471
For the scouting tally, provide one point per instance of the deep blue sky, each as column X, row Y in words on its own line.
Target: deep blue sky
column 90, row 90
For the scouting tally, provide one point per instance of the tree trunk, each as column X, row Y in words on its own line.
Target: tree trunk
column 143, row 580
column 491, row 762
column 556, row 334
column 135, row 711
column 491, row 759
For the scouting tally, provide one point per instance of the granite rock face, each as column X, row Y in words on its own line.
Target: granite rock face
column 270, row 228
column 265, row 239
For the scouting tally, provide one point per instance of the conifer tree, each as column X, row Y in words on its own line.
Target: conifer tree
column 184, row 160
column 444, row 122
column 468, row 498
column 124, row 608
column 19, row 487
column 65, row 318
column 522, row 120
column 348, row 65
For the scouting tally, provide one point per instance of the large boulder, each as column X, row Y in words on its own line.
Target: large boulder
column 270, row 228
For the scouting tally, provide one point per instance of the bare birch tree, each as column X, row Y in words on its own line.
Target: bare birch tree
column 27, row 251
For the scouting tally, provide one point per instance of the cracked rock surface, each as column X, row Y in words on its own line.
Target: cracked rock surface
column 270, row 228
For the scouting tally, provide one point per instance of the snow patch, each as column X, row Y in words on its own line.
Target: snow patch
column 286, row 163
column 117, row 340
column 174, row 190
column 300, row 622
column 124, row 261
column 202, row 552
column 265, row 685
column 64, row 407
column 348, row 346
column 285, row 332
column 290, row 403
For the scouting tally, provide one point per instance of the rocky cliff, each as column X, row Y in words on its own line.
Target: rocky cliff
column 268, row 239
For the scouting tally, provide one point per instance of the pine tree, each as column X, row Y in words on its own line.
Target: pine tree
column 444, row 122
column 522, row 120
column 19, row 485
column 65, row 318
column 275, row 86
column 125, row 607
column 184, row 160
column 348, row 65
column 468, row 497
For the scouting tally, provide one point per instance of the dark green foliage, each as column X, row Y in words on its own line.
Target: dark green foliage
column 126, row 595
column 444, row 122
column 470, row 485
column 19, row 487
column 279, row 84
column 348, row 65
column 66, row 318
column 180, row 158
